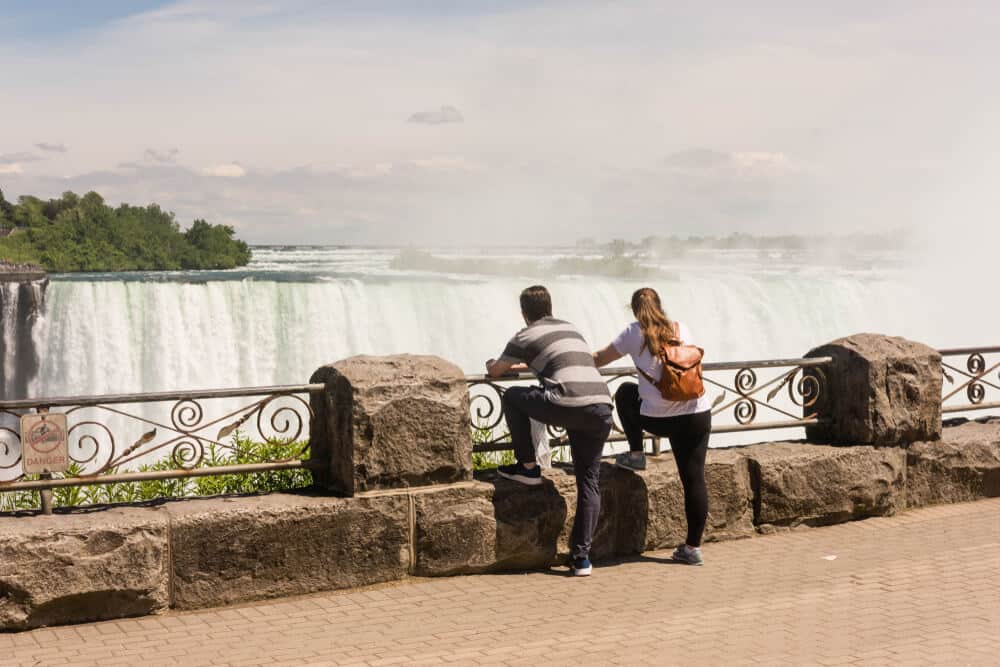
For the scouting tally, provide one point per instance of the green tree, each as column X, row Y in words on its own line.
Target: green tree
column 75, row 233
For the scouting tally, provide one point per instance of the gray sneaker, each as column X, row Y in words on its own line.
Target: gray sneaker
column 682, row 555
column 629, row 462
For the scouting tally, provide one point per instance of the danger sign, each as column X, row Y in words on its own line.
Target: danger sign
column 44, row 443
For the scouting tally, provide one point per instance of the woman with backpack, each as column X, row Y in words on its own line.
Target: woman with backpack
column 669, row 401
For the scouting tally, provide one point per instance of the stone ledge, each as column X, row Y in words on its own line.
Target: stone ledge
column 797, row 483
column 82, row 567
column 228, row 550
column 115, row 562
column 964, row 465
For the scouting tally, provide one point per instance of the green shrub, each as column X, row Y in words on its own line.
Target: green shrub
column 240, row 451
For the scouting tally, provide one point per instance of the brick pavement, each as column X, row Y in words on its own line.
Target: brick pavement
column 919, row 588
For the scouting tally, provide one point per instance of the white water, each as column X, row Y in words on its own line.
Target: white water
column 294, row 310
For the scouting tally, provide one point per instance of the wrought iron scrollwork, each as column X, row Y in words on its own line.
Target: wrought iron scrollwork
column 975, row 378
column 186, row 414
column 804, row 391
column 803, row 383
column 10, row 442
column 96, row 443
column 91, row 441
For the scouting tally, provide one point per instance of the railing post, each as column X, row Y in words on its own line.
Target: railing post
column 45, row 494
column 880, row 390
column 390, row 422
column 656, row 445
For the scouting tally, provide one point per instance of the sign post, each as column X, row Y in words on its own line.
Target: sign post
column 44, row 443
column 44, row 448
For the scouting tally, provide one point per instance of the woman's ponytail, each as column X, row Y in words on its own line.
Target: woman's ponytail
column 657, row 329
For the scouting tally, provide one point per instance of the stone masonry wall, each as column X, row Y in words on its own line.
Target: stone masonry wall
column 119, row 562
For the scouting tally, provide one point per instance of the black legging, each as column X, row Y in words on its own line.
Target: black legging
column 688, row 436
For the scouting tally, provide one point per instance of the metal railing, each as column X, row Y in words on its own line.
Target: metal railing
column 735, row 387
column 973, row 379
column 109, row 436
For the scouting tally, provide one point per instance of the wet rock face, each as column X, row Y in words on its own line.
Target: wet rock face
column 880, row 390
column 963, row 465
column 390, row 422
column 22, row 304
column 72, row 569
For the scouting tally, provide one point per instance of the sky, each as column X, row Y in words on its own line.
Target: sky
column 457, row 122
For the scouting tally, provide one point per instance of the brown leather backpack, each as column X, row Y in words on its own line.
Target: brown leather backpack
column 681, row 378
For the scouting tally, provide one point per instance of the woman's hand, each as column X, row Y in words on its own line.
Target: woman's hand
column 606, row 356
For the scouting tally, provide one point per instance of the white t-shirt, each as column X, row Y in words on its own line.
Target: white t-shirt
column 653, row 405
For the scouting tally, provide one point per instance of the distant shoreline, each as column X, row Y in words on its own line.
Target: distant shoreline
column 21, row 273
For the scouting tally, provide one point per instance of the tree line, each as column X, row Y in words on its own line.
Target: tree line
column 74, row 233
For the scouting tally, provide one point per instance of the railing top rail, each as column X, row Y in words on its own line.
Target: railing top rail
column 957, row 351
column 710, row 366
column 152, row 397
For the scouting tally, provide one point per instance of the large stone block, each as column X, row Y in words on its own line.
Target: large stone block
column 455, row 530
column 529, row 520
column 963, row 465
column 639, row 511
column 229, row 550
column 799, row 483
column 617, row 524
column 879, row 390
column 658, row 517
column 389, row 422
column 82, row 567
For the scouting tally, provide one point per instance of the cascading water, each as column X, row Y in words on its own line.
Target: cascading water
column 22, row 305
column 294, row 309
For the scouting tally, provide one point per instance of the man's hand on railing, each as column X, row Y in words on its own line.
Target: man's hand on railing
column 498, row 369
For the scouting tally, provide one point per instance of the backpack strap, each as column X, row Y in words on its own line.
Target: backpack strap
column 649, row 378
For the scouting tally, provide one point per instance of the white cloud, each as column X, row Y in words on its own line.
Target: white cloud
column 445, row 163
column 11, row 158
column 811, row 113
column 231, row 170
column 442, row 116
column 762, row 160
column 163, row 157
column 13, row 168
column 51, row 148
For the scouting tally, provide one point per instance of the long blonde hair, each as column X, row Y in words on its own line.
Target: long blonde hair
column 657, row 329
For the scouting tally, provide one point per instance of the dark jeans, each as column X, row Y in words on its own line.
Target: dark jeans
column 587, row 427
column 688, row 436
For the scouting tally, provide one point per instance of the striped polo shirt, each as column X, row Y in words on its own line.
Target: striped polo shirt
column 561, row 359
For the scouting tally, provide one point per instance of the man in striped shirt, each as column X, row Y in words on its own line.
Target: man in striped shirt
column 572, row 395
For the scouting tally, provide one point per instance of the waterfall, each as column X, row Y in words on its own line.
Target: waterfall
column 22, row 306
column 107, row 336
column 295, row 309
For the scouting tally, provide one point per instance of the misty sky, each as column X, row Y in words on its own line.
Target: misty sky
column 373, row 121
